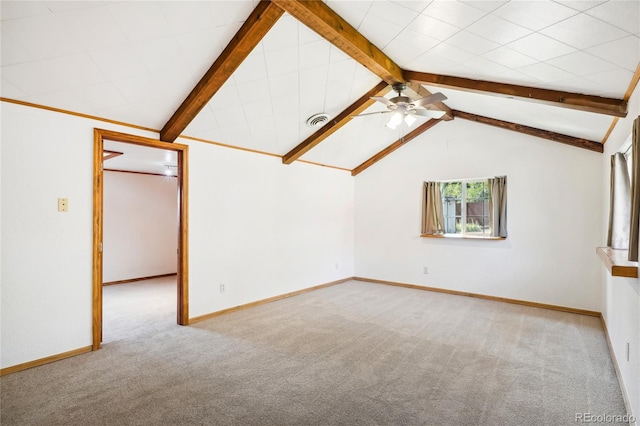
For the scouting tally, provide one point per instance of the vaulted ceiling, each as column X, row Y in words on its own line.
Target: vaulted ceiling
column 248, row 74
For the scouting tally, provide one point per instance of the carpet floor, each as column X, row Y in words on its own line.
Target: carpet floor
column 352, row 354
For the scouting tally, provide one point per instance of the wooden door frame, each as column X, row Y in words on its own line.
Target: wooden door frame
column 99, row 136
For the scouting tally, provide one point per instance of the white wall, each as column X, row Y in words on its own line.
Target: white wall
column 621, row 296
column 554, row 217
column 140, row 225
column 46, row 255
column 261, row 227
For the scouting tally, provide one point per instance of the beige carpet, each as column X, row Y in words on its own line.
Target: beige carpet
column 352, row 354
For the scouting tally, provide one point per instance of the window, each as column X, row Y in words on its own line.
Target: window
column 466, row 208
column 469, row 208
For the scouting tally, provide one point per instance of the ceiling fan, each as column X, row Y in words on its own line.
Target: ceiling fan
column 402, row 108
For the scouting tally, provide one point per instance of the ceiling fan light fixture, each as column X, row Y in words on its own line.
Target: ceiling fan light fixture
column 396, row 118
column 170, row 170
column 409, row 119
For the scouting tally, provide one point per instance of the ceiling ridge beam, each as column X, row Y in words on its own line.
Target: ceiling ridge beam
column 394, row 146
column 532, row 131
column 261, row 20
column 577, row 101
column 334, row 125
column 320, row 18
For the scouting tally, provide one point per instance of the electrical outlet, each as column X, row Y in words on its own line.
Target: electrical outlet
column 425, row 270
column 628, row 351
column 222, row 288
column 63, row 204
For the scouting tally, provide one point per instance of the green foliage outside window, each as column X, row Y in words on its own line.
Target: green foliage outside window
column 475, row 190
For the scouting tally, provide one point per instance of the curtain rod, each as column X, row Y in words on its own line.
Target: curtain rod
column 467, row 180
column 626, row 141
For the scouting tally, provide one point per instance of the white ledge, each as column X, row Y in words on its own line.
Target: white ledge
column 462, row 237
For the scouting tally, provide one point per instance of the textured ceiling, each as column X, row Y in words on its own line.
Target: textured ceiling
column 136, row 62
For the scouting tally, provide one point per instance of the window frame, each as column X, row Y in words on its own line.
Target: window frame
column 464, row 235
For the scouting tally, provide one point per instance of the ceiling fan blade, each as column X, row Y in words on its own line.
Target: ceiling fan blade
column 372, row 113
column 383, row 100
column 428, row 113
column 431, row 99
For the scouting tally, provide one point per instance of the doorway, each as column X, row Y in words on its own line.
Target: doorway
column 98, row 216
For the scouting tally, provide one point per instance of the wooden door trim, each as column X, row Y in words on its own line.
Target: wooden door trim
column 99, row 136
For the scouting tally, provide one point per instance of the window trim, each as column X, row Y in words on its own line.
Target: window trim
column 463, row 236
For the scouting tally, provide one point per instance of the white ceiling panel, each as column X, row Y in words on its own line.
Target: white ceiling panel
column 353, row 12
column 581, row 6
column 136, row 62
column 498, row 30
column 455, row 13
column 544, row 72
column 118, row 62
column 483, row 68
column 356, row 142
column 581, row 63
column 561, row 120
column 188, row 16
column 93, row 28
column 272, row 110
column 63, row 99
column 23, row 9
column 28, row 78
column 138, row 88
column 75, row 70
column 57, row 6
column 432, row 27
column 624, row 52
column 622, row 14
column 541, row 47
column 486, row 5
column 140, row 21
column 472, row 43
column 534, row 15
column 380, row 31
column 583, row 31
column 611, row 83
column 11, row 91
column 395, row 13
column 28, row 32
column 509, row 58
column 408, row 46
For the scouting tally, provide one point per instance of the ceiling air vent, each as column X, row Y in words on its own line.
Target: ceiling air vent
column 317, row 120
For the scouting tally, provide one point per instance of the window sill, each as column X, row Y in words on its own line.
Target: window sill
column 461, row 237
column 616, row 262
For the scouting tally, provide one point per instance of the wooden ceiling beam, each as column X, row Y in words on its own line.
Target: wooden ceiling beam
column 341, row 119
column 595, row 104
column 545, row 134
column 394, row 146
column 328, row 24
column 263, row 17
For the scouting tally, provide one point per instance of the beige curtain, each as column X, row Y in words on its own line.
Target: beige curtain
column 635, row 192
column 619, row 206
column 498, row 206
column 432, row 212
